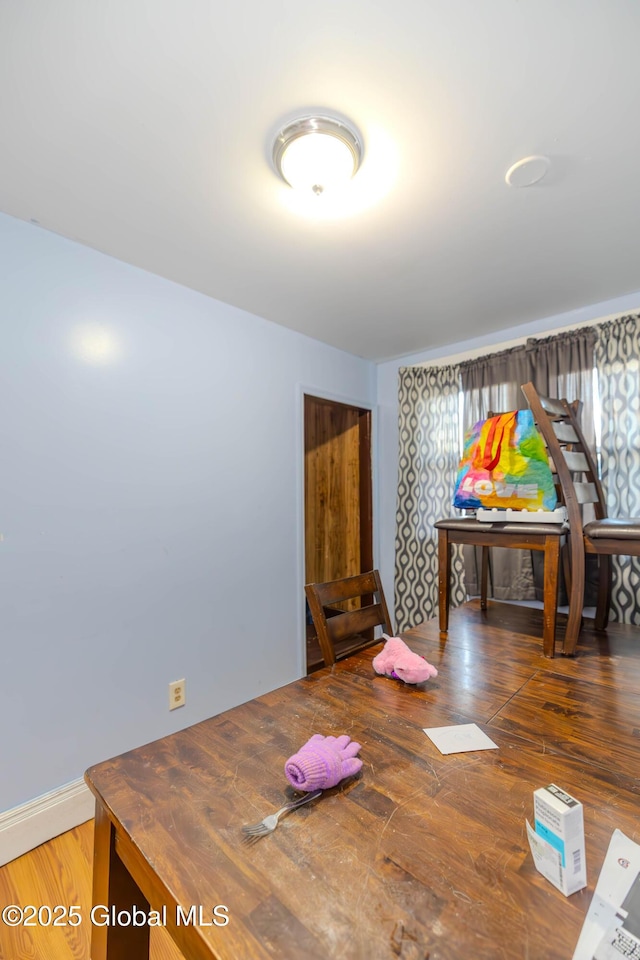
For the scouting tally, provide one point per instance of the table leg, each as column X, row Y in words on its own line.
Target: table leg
column 550, row 595
column 444, row 580
column 484, row 577
column 114, row 889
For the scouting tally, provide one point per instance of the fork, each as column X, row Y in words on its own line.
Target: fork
column 254, row 831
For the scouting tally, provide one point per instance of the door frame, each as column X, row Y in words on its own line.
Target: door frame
column 314, row 391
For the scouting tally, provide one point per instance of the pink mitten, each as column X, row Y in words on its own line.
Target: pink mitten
column 398, row 661
column 385, row 660
column 412, row 668
column 323, row 762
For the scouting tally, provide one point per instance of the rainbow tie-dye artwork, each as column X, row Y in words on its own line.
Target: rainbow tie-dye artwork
column 505, row 465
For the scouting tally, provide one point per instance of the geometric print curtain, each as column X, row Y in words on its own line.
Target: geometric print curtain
column 428, row 456
column 617, row 359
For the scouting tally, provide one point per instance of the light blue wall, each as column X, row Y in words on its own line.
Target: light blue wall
column 387, row 397
column 150, row 504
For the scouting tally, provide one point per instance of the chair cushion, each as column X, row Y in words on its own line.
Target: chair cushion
column 624, row 528
column 469, row 524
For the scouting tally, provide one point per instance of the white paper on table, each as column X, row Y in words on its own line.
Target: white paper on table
column 461, row 738
column 611, row 929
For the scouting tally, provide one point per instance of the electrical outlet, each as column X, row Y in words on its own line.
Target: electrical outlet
column 177, row 694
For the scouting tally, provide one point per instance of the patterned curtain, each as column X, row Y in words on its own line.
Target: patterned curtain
column 427, row 465
column 618, row 365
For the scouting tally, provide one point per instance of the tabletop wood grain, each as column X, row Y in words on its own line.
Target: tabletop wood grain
column 420, row 856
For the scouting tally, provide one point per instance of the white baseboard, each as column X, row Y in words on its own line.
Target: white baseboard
column 42, row 819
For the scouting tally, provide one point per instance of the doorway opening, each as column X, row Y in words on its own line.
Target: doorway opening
column 337, row 497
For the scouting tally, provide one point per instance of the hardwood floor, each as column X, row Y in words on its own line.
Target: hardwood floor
column 58, row 872
column 605, row 679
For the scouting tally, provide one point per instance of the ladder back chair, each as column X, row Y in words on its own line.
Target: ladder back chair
column 604, row 536
column 344, row 632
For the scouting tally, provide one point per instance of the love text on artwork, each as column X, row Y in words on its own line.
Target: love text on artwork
column 484, row 488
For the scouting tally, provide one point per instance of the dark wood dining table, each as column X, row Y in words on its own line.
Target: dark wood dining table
column 421, row 855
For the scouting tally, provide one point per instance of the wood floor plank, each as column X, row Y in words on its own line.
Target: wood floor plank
column 58, row 873
column 585, row 719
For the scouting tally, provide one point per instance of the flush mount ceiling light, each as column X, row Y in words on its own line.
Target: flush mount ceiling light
column 317, row 153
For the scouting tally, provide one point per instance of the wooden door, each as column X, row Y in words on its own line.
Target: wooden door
column 338, row 494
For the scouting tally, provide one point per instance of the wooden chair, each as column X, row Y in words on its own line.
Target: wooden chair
column 606, row 537
column 546, row 537
column 343, row 632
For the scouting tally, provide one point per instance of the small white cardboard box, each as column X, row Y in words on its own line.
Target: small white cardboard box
column 557, row 843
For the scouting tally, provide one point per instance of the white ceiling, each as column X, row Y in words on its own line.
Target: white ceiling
column 143, row 128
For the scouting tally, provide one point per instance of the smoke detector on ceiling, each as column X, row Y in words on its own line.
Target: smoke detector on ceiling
column 527, row 171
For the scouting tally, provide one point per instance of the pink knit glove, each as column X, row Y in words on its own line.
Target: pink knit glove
column 322, row 763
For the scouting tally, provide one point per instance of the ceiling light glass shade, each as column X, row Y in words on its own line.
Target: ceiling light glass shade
column 317, row 153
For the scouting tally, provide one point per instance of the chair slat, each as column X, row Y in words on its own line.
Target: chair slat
column 576, row 461
column 553, row 407
column 586, row 492
column 354, row 621
column 337, row 591
column 565, row 432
